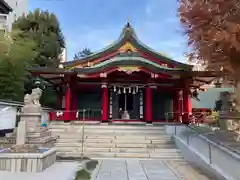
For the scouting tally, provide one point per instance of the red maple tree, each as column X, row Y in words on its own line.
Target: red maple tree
column 213, row 31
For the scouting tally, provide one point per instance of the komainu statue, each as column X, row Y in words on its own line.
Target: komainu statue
column 32, row 100
column 36, row 95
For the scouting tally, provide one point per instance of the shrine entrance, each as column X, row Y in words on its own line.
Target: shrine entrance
column 125, row 106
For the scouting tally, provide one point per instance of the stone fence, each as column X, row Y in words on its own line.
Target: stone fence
column 8, row 114
column 27, row 162
column 205, row 153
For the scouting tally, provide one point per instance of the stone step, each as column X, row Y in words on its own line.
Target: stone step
column 160, row 150
column 39, row 135
column 66, row 130
column 99, row 145
column 108, row 129
column 112, row 145
column 60, row 125
column 128, row 141
column 116, row 150
column 123, row 131
column 162, row 146
column 68, row 136
column 66, row 140
column 165, row 156
column 70, row 144
column 118, row 141
column 132, row 150
column 135, row 137
column 137, row 145
column 128, row 127
column 119, row 155
column 129, row 155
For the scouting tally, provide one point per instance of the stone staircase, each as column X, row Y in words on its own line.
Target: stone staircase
column 113, row 141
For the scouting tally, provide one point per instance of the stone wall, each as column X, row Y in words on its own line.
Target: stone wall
column 207, row 154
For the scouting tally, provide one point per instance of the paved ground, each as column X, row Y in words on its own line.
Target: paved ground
column 146, row 170
column 117, row 169
column 59, row 171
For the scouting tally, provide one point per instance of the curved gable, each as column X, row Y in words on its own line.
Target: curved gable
column 127, row 41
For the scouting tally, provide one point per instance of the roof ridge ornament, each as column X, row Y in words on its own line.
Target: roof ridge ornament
column 128, row 22
column 128, row 30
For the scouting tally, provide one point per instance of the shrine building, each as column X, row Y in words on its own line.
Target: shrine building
column 126, row 81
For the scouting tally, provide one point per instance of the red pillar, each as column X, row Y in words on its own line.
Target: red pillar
column 186, row 105
column 67, row 103
column 176, row 107
column 148, row 104
column 105, row 103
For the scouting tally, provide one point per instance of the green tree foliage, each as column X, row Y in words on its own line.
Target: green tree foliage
column 83, row 53
column 16, row 54
column 49, row 97
column 43, row 27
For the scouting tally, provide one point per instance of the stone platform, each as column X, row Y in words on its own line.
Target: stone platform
column 26, row 158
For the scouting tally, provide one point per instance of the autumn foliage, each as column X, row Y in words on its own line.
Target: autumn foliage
column 213, row 31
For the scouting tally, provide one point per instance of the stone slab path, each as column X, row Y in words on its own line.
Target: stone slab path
column 58, row 171
column 145, row 170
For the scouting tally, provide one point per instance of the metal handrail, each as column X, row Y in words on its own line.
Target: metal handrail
column 222, row 146
column 83, row 134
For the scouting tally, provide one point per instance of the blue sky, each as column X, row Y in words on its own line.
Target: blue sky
column 96, row 23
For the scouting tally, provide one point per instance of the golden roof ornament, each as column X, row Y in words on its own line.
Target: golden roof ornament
column 128, row 22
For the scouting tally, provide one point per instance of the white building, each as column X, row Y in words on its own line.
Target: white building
column 19, row 8
column 63, row 56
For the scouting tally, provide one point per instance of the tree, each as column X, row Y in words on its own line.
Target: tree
column 16, row 54
column 83, row 53
column 213, row 31
column 43, row 27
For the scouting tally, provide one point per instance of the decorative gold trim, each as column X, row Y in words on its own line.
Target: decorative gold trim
column 127, row 47
column 128, row 69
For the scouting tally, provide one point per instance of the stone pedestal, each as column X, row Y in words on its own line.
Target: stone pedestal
column 21, row 133
column 29, row 154
column 33, row 121
column 35, row 133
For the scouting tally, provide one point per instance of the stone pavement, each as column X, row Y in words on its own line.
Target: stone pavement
column 58, row 171
column 117, row 169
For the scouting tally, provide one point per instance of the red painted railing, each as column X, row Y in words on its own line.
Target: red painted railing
column 76, row 115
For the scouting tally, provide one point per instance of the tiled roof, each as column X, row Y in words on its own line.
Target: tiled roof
column 5, row 7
